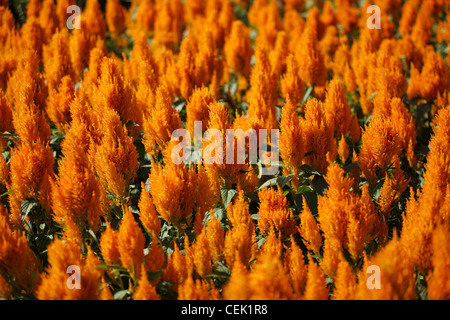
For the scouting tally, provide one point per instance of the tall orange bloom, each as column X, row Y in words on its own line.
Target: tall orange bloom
column 18, row 263
column 130, row 243
column 273, row 212
column 62, row 255
column 115, row 156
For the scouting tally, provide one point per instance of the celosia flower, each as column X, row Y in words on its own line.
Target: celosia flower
column 216, row 236
column 396, row 275
column 145, row 290
column 423, row 215
column 268, row 280
column 196, row 290
column 434, row 78
column 293, row 25
column 291, row 85
column 31, row 169
column 18, row 263
column 262, row 96
column 197, row 109
column 61, row 12
column 309, row 229
column 238, row 48
column 295, row 265
column 145, row 17
column 147, row 213
column 76, row 193
column 48, row 19
column 115, row 157
column 162, row 122
column 114, row 92
column 337, row 110
column 202, row 255
column 168, row 22
column 116, row 16
column 155, row 259
column 173, row 189
column 33, row 8
column 310, row 60
column 176, row 270
column 291, row 140
column 32, row 36
column 439, row 280
column 93, row 19
column 318, row 136
column 237, row 286
column 315, row 283
column 130, row 243
column 54, row 286
column 274, row 212
column 57, row 63
column 380, row 143
column 59, row 100
column 345, row 282
column 109, row 246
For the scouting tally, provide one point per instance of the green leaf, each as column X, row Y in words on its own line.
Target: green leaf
column 221, row 268
column 281, row 181
column 122, row 295
column 227, row 196
column 6, row 193
column 309, row 171
column 152, row 276
column 319, row 184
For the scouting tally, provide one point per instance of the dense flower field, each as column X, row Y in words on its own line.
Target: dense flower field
column 93, row 205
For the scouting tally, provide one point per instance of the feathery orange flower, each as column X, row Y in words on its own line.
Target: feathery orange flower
column 202, row 255
column 48, row 19
column 274, row 212
column 115, row 157
column 115, row 16
column 57, row 63
column 238, row 49
column 145, row 290
column 109, row 246
column 268, row 280
column 216, row 235
column 162, row 122
column 294, row 263
column 439, row 279
column 168, row 22
column 130, row 243
column 310, row 60
column 31, row 169
column 262, row 96
column 315, row 283
column 396, row 274
column 291, row 140
column 318, row 136
column 148, row 214
column 54, row 286
column 18, row 264
column 176, row 270
column 58, row 102
column 291, row 85
column 196, row 290
column 380, row 143
column 345, row 282
column 337, row 110
column 309, row 229
column 237, row 286
column 93, row 19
